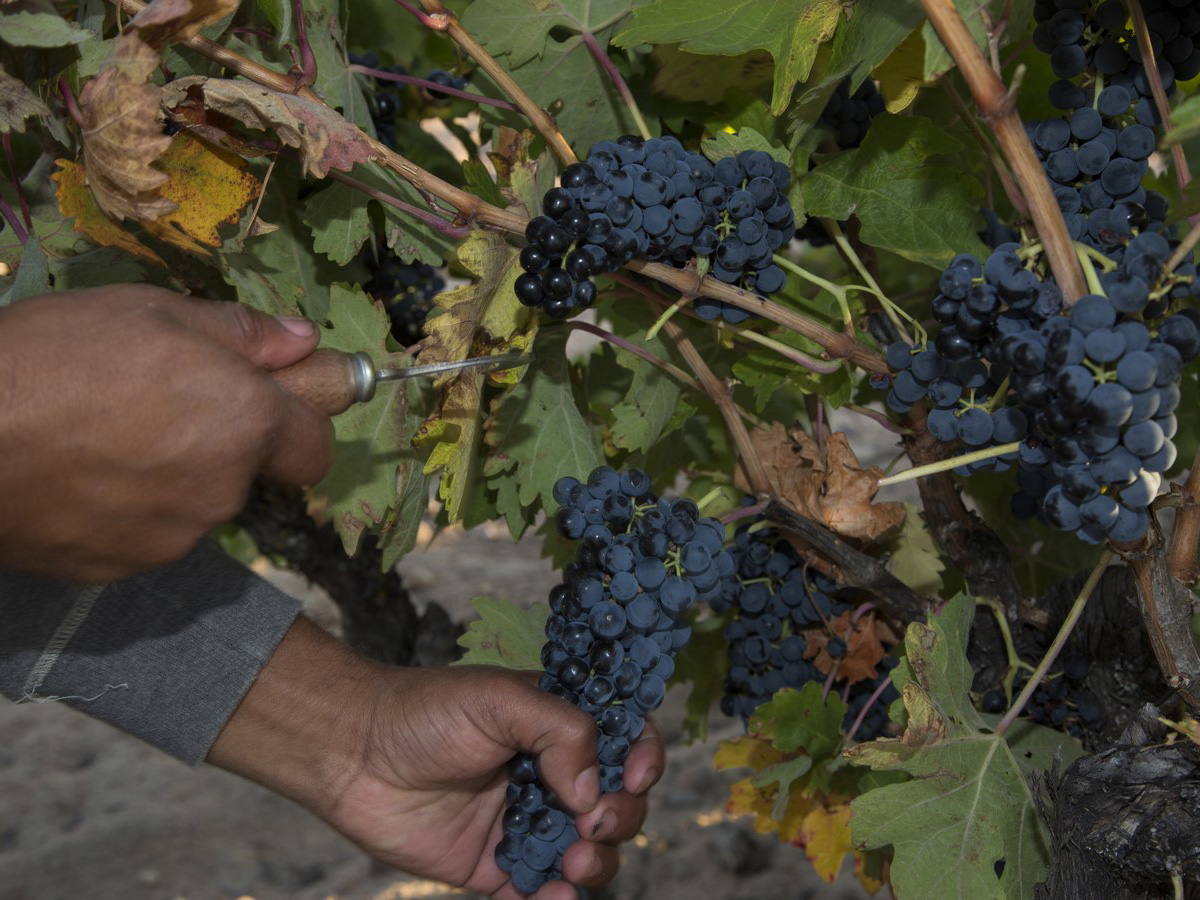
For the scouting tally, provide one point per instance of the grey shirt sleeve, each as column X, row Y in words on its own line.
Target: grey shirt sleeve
column 166, row 655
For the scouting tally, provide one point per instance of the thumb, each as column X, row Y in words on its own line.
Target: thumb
column 269, row 342
column 563, row 740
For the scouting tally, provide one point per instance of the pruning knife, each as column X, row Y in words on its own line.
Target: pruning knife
column 333, row 381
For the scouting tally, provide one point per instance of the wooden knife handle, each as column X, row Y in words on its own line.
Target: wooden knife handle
column 325, row 378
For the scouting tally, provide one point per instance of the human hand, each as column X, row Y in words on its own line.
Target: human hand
column 411, row 764
column 132, row 420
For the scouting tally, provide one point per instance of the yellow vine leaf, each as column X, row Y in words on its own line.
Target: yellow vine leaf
column 825, row 835
column 75, row 201
column 746, row 799
column 209, row 188
column 746, row 752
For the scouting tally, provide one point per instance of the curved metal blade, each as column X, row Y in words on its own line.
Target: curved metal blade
column 487, row 363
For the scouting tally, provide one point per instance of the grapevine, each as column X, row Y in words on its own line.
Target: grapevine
column 974, row 227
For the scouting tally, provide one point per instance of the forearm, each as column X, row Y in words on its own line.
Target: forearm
column 302, row 727
column 166, row 655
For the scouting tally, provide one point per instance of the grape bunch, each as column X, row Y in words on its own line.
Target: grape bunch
column 1091, row 391
column 407, row 291
column 1061, row 701
column 776, row 600
column 617, row 621
column 1094, row 38
column 848, row 117
column 656, row 201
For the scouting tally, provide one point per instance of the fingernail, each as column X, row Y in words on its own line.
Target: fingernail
column 594, row 867
column 605, row 825
column 587, row 786
column 297, row 325
column 647, row 781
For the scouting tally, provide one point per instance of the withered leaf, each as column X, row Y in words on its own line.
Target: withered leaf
column 122, row 115
column 325, row 140
column 17, row 103
column 864, row 650
column 830, row 487
column 76, row 202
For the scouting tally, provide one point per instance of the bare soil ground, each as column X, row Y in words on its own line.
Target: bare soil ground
column 87, row 813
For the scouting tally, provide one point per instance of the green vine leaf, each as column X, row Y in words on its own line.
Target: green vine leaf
column 33, row 274
column 17, row 103
column 801, row 720
column 27, row 28
column 1014, row 13
column 554, row 71
column 338, row 219
column 915, row 559
column 968, row 804
column 505, row 635
column 703, row 663
column 926, row 213
column 536, row 430
column 725, row 144
column 373, row 439
column 791, row 34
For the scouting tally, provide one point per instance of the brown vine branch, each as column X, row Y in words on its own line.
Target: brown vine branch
column 837, row 345
column 1166, row 607
column 859, row 569
column 1150, row 65
column 540, row 119
column 996, row 105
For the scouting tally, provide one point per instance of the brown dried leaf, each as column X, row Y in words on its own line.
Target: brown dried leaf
column 325, row 140
column 831, row 488
column 864, row 650
column 75, row 201
column 122, row 116
column 17, row 103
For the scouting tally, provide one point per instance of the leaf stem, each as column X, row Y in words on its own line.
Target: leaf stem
column 1089, row 273
column 617, row 341
column 1011, row 190
column 12, row 171
column 799, row 357
column 894, row 312
column 839, row 292
column 946, row 465
column 1056, row 645
column 1186, row 246
column 540, row 119
column 14, row 222
column 999, row 110
column 69, row 100
column 456, row 232
column 862, row 713
column 308, row 62
column 744, row 512
column 614, row 75
column 430, row 22
column 430, row 85
column 675, row 307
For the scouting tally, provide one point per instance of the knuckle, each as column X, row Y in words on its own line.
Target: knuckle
column 248, row 327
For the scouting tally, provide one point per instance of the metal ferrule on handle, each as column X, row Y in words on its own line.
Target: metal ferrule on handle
column 364, row 376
